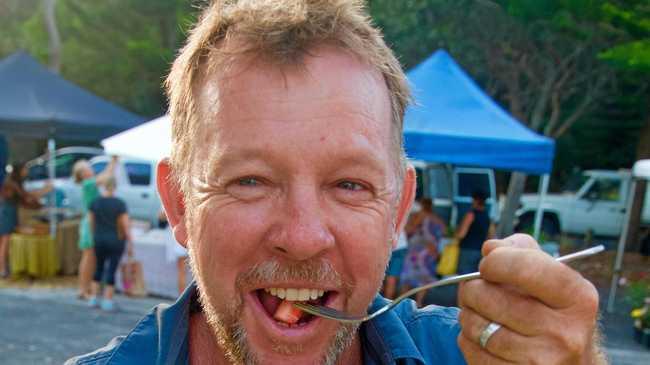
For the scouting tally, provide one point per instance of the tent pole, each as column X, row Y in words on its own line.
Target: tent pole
column 543, row 189
column 621, row 249
column 51, row 147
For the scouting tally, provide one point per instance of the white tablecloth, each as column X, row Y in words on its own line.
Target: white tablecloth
column 152, row 249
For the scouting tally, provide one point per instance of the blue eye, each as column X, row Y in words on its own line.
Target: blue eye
column 349, row 185
column 248, row 181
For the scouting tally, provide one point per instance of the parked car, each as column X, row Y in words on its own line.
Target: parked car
column 136, row 185
column 451, row 187
column 135, row 181
column 68, row 196
column 595, row 202
column 64, row 160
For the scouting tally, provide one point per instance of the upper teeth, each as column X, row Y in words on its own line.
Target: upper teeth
column 294, row 294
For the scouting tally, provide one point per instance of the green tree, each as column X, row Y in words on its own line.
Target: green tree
column 538, row 58
column 630, row 21
column 120, row 50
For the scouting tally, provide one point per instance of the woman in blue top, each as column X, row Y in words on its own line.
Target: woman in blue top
column 85, row 176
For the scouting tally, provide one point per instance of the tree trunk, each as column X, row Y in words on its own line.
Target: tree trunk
column 515, row 189
column 53, row 32
column 642, row 151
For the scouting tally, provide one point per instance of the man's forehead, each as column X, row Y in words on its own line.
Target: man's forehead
column 326, row 73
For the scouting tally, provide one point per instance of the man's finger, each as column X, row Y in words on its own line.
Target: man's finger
column 533, row 273
column 504, row 343
column 516, row 240
column 523, row 314
column 475, row 355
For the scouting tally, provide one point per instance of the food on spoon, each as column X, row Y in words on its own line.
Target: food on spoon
column 287, row 313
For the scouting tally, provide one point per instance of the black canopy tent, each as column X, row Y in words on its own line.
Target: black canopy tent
column 36, row 103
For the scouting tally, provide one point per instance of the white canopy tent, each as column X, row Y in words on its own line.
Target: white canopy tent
column 640, row 171
column 150, row 141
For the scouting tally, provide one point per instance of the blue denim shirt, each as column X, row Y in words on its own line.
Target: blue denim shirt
column 405, row 335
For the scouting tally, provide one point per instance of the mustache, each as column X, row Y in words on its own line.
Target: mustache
column 313, row 271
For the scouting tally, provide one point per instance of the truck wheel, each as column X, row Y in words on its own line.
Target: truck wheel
column 526, row 224
column 550, row 227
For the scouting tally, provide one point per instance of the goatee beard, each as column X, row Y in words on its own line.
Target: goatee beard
column 229, row 331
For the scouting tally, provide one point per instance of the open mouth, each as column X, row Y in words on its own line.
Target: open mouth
column 278, row 304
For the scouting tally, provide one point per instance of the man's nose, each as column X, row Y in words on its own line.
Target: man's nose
column 302, row 231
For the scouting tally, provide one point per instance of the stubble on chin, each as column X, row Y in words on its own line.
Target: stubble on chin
column 230, row 333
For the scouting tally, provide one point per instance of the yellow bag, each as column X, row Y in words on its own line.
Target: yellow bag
column 448, row 263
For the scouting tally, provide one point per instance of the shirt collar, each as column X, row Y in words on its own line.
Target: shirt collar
column 161, row 335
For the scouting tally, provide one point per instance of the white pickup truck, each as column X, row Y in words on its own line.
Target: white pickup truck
column 597, row 204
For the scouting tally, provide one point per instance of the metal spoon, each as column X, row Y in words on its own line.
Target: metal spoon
column 326, row 312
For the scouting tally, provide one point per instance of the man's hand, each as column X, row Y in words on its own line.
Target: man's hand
column 547, row 310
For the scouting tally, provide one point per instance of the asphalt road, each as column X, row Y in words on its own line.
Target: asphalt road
column 48, row 326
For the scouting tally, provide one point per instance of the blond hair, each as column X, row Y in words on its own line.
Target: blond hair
column 280, row 32
column 110, row 183
column 78, row 169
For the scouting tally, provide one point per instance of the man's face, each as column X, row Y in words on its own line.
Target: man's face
column 294, row 191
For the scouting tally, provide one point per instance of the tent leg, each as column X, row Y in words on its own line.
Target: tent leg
column 543, row 189
column 621, row 250
column 51, row 147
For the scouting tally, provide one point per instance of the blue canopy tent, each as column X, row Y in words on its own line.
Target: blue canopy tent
column 454, row 121
column 37, row 103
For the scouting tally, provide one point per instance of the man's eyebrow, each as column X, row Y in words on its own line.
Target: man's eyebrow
column 230, row 156
column 345, row 157
column 358, row 159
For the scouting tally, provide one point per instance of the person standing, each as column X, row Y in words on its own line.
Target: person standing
column 109, row 222
column 474, row 229
column 84, row 175
column 424, row 230
column 13, row 194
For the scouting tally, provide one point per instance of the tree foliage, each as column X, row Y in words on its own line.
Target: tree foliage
column 568, row 68
column 118, row 49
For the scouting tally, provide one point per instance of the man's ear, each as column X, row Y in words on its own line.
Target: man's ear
column 406, row 200
column 172, row 201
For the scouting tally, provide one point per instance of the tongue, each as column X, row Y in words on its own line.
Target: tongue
column 269, row 302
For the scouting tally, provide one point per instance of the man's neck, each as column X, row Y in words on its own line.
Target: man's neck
column 203, row 347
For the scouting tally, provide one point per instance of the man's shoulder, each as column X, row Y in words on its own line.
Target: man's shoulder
column 432, row 320
column 434, row 330
column 100, row 356
column 428, row 334
column 140, row 346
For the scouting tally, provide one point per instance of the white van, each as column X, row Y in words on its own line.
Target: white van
column 136, row 181
column 451, row 187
